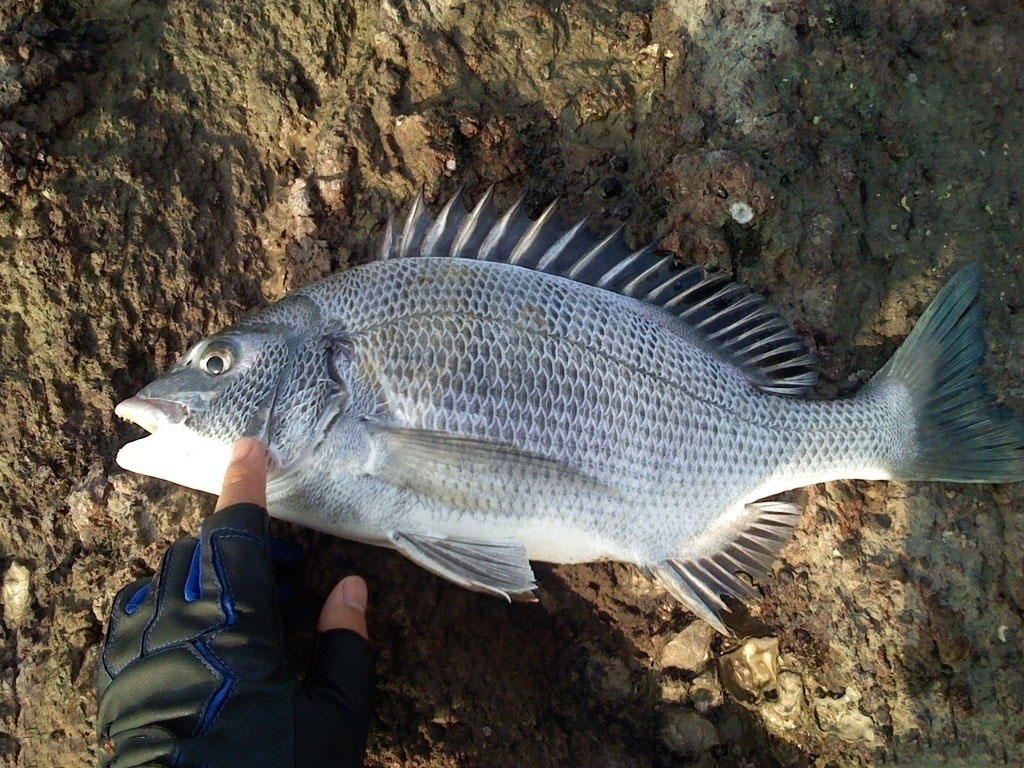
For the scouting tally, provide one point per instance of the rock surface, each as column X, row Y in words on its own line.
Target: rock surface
column 167, row 165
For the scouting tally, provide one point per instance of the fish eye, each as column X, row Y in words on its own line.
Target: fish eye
column 216, row 361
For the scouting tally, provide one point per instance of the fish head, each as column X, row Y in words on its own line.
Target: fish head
column 223, row 388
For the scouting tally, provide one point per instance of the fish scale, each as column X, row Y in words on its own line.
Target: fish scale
column 494, row 390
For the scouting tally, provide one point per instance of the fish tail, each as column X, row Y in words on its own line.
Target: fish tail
column 960, row 433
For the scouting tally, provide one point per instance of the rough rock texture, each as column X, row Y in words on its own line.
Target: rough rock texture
column 166, row 165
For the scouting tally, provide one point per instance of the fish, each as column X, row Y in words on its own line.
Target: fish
column 495, row 389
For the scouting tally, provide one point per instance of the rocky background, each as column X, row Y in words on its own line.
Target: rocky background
column 166, row 165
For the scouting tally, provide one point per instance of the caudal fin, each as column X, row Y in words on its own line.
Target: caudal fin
column 962, row 435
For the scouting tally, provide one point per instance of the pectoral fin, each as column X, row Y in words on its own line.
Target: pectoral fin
column 466, row 473
column 496, row 567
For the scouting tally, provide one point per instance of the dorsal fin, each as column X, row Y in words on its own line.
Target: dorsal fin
column 734, row 321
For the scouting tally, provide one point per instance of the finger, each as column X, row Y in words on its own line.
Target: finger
column 237, row 573
column 246, row 478
column 125, row 627
column 345, row 607
column 234, row 562
column 162, row 689
column 180, row 610
column 333, row 714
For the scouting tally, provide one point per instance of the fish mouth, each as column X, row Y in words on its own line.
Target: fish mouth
column 151, row 413
column 172, row 451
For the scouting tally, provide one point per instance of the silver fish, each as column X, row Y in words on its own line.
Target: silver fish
column 494, row 390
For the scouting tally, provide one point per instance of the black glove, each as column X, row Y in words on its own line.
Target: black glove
column 193, row 666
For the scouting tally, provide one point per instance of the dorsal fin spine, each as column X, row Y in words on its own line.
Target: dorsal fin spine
column 471, row 224
column 499, row 230
column 710, row 320
column 738, row 561
column 755, row 547
column 722, row 576
column 769, row 340
column 590, row 256
column 720, row 294
column 763, row 326
column 652, row 295
column 727, row 330
column 709, row 281
column 388, row 241
column 780, row 366
column 452, row 211
column 527, row 240
column 606, row 279
column 630, row 288
column 415, row 224
column 693, row 570
column 552, row 253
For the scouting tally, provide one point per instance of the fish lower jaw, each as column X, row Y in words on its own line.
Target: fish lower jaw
column 175, row 453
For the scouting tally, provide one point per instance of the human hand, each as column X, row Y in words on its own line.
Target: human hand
column 245, row 482
column 193, row 665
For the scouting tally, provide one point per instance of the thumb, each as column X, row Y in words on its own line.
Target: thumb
column 345, row 607
column 332, row 717
column 340, row 681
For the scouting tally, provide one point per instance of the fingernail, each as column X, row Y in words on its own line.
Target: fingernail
column 245, row 448
column 353, row 593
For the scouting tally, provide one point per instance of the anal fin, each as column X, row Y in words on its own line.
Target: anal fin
column 700, row 581
column 496, row 567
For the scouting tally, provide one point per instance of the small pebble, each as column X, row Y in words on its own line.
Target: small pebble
column 675, row 691
column 783, row 713
column 741, row 213
column 687, row 733
column 706, row 692
column 752, row 669
column 690, row 650
column 17, row 594
column 842, row 717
